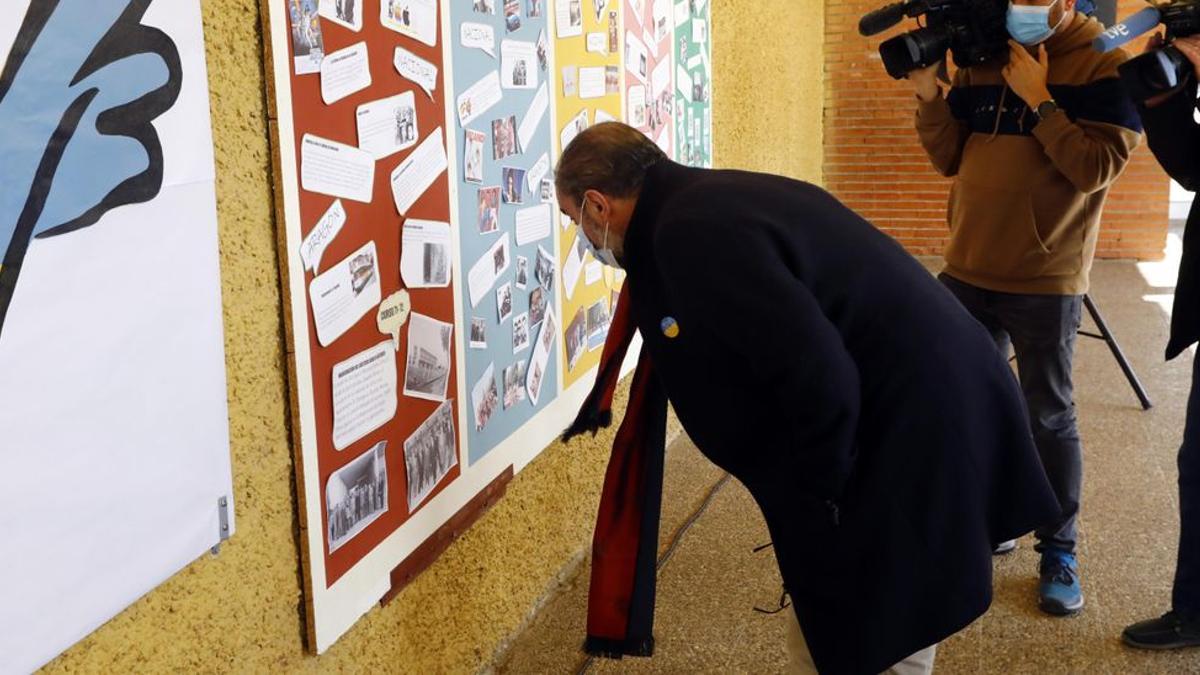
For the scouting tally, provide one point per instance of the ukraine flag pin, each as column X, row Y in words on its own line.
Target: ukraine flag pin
column 670, row 327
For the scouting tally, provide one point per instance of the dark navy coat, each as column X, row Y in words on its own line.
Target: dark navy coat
column 869, row 415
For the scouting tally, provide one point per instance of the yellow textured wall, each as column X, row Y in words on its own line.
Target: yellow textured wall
column 240, row 611
column 768, row 86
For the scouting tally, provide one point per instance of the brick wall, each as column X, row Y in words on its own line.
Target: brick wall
column 874, row 163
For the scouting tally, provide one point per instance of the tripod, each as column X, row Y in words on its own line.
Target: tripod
column 1106, row 335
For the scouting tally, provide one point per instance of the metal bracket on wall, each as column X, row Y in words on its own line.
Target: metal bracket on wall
column 223, row 518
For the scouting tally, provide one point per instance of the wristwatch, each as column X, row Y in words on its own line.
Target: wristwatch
column 1046, row 108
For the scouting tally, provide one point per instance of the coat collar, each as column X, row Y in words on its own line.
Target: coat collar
column 662, row 182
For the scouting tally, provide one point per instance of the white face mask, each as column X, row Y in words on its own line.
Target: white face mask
column 604, row 254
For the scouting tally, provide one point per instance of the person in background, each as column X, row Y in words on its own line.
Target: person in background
column 1033, row 145
column 1174, row 139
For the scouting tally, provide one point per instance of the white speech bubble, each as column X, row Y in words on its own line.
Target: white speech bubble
column 479, row 36
column 325, row 230
column 392, row 315
column 416, row 69
column 597, row 43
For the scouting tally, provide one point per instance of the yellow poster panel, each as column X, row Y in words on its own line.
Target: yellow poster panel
column 587, row 90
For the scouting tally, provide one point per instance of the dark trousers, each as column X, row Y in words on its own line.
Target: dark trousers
column 1186, row 595
column 1041, row 330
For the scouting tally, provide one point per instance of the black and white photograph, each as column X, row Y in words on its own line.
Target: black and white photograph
column 356, row 495
column 406, row 126
column 543, row 62
column 513, row 183
column 485, row 397
column 575, row 14
column 308, row 45
column 537, row 306
column 514, row 384
column 576, row 338
column 347, row 13
column 485, row 6
column 522, row 272
column 520, row 76
column 429, row 454
column 533, row 8
column 499, row 260
column 599, row 6
column 543, row 270
column 520, row 332
column 504, row 137
column 534, row 383
column 362, row 271
column 427, row 371
column 504, row 303
column 478, row 333
column 436, row 263
column 547, row 191
column 597, row 324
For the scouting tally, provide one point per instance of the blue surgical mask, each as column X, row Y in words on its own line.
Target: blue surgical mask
column 604, row 254
column 1030, row 24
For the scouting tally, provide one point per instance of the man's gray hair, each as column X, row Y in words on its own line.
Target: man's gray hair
column 610, row 157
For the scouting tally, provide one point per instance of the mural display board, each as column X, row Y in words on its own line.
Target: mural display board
column 505, row 213
column 649, row 94
column 587, row 54
column 444, row 322
column 115, row 452
column 367, row 253
column 693, row 83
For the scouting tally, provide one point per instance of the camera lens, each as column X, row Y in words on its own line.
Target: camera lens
column 915, row 49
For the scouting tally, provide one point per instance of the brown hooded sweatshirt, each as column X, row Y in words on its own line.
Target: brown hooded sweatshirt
column 1025, row 206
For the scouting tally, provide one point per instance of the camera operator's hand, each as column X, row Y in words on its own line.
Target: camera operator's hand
column 1027, row 75
column 1190, row 46
column 925, row 82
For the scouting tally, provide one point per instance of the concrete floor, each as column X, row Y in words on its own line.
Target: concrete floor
column 708, row 589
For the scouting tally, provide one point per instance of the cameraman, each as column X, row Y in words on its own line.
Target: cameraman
column 1033, row 146
column 1175, row 141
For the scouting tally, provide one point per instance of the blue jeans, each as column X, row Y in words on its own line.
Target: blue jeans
column 1186, row 595
column 1041, row 330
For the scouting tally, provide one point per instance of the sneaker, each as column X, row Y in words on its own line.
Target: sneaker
column 1059, row 592
column 1170, row 631
column 1005, row 547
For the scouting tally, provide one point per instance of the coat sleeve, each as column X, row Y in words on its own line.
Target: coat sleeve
column 942, row 132
column 1174, row 136
column 731, row 284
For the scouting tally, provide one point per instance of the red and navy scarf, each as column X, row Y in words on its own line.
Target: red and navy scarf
column 625, row 543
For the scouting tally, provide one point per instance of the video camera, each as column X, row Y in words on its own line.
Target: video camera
column 1162, row 70
column 973, row 31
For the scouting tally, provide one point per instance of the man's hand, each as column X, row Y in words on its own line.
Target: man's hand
column 1027, row 75
column 1188, row 46
column 924, row 81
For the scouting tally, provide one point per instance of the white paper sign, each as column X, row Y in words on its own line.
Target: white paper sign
column 695, row 61
column 533, row 116
column 364, row 394
column 575, row 127
column 388, row 125
column 538, row 171
column 345, row 72
column 592, row 273
column 637, row 106
column 416, row 70
column 591, row 82
column 484, row 272
column 572, row 269
column 636, row 58
column 345, row 293
column 346, row 13
column 683, row 82
column 415, row 174
column 415, row 18
column 568, row 15
column 603, row 116
column 682, row 14
column 325, row 230
column 699, row 31
column 597, row 43
column 425, row 254
column 534, row 224
column 518, row 65
column 479, row 36
column 478, row 98
column 660, row 79
column 331, row 168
